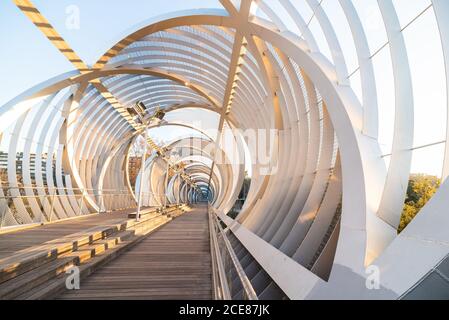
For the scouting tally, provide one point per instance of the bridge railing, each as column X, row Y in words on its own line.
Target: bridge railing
column 28, row 205
column 229, row 278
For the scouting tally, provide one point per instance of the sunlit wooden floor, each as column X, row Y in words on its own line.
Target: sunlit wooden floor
column 172, row 263
column 13, row 242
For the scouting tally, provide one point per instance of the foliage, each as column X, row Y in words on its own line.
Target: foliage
column 421, row 189
column 242, row 197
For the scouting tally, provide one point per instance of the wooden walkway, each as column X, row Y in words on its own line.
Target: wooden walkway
column 11, row 243
column 172, row 263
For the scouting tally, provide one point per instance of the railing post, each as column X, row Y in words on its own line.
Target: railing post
column 81, row 204
column 4, row 214
column 142, row 173
column 52, row 205
column 100, row 195
column 41, row 219
column 166, row 184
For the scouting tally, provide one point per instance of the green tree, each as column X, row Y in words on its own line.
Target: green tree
column 242, row 197
column 421, row 189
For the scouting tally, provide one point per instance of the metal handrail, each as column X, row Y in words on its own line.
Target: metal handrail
column 85, row 190
column 19, row 186
column 214, row 225
column 51, row 194
column 59, row 195
column 220, row 284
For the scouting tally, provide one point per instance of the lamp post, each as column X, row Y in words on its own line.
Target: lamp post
column 140, row 109
column 166, row 185
column 142, row 172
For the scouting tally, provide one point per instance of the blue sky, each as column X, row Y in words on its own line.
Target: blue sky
column 101, row 24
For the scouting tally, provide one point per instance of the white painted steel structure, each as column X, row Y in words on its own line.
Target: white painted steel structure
column 327, row 212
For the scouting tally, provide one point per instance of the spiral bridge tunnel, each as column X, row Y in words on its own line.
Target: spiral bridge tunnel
column 290, row 101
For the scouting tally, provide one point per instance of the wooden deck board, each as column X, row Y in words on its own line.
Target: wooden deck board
column 13, row 242
column 172, row 263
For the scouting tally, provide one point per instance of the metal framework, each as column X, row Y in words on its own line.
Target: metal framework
column 328, row 209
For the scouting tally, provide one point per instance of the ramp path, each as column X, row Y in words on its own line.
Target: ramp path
column 174, row 262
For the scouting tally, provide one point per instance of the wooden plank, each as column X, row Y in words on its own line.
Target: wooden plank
column 35, row 253
column 11, row 243
column 172, row 263
column 57, row 285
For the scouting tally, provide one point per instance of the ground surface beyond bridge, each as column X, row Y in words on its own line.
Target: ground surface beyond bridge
column 172, row 263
